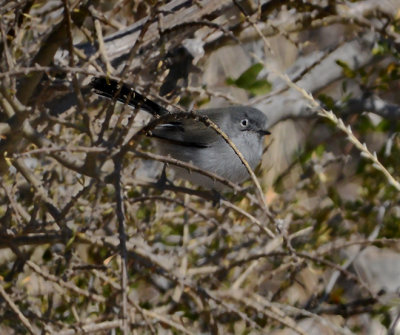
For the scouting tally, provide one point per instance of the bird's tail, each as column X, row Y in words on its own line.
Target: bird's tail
column 112, row 89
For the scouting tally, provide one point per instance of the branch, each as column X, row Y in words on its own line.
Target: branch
column 373, row 104
column 46, row 53
column 17, row 311
column 122, row 240
column 292, row 103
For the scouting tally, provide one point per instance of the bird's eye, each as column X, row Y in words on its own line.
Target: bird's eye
column 244, row 123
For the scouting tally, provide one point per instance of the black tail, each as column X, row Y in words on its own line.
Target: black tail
column 111, row 89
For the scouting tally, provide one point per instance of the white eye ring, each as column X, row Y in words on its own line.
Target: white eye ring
column 244, row 123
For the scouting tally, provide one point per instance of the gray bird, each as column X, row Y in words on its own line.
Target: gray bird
column 191, row 141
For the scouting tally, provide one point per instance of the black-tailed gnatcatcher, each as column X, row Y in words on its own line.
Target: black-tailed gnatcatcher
column 191, row 141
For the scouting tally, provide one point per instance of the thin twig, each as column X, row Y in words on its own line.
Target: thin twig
column 92, row 327
column 122, row 238
column 347, row 130
column 75, row 83
column 67, row 285
column 285, row 320
column 102, row 49
column 17, row 311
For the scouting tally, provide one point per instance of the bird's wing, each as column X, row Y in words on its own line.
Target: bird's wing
column 186, row 133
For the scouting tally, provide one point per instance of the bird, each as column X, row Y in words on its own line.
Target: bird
column 192, row 141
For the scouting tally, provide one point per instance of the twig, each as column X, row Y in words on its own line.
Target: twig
column 102, row 49
column 17, row 311
column 122, row 238
column 167, row 321
column 40, row 189
column 190, row 167
column 68, row 285
column 92, row 327
column 23, row 71
column 53, row 149
column 45, row 55
column 75, row 83
column 347, row 130
column 21, row 213
column 175, row 201
column 335, row 276
column 301, row 311
column 272, row 245
column 117, row 286
column 240, row 296
column 249, row 216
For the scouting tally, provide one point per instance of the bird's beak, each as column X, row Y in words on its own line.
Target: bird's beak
column 264, row 132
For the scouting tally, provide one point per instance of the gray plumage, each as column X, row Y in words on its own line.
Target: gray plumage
column 191, row 141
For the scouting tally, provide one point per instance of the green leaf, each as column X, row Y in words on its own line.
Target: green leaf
column 319, row 150
column 328, row 101
column 260, row 87
column 381, row 48
column 347, row 71
column 384, row 126
column 230, row 81
column 248, row 81
column 70, row 241
column 247, row 78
